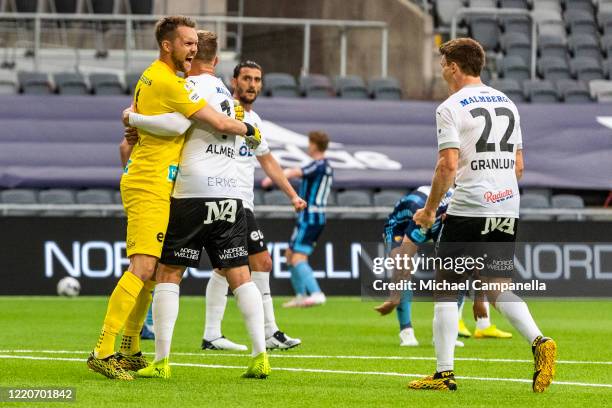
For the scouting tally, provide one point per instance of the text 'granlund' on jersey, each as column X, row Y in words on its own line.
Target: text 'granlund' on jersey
column 492, row 164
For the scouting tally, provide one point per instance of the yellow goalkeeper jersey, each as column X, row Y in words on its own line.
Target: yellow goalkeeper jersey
column 153, row 164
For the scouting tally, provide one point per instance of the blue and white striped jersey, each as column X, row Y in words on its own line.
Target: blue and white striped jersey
column 316, row 184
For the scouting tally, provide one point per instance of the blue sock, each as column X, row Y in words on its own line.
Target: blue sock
column 404, row 310
column 149, row 319
column 308, row 278
column 299, row 287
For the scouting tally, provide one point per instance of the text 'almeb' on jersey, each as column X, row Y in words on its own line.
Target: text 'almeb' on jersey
column 316, row 184
column 484, row 124
column 209, row 159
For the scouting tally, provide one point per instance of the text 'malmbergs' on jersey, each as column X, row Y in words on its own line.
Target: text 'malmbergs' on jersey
column 317, row 178
column 209, row 162
column 154, row 160
column 484, row 124
column 400, row 223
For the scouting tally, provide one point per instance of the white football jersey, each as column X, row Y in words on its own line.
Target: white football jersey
column 484, row 124
column 247, row 161
column 208, row 166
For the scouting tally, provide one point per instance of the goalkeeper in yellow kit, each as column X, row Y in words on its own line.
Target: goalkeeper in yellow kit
column 146, row 186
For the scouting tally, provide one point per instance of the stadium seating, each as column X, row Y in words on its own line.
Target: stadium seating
column 131, row 79
column 279, row 84
column 554, row 68
column 586, row 69
column 517, row 44
column 510, row 87
column 34, row 83
column 316, row 86
column 277, row 197
column 515, row 67
column 57, row 196
column 518, row 4
column 8, row 82
column 19, row 196
column 106, row 84
column 446, row 9
column 483, row 3
column 533, row 200
column 385, row 88
column 70, row 83
column 386, row 199
column 574, row 40
column 540, row 91
column 94, row 196
column 552, row 46
column 573, row 91
column 567, row 201
column 516, row 24
column 350, row 87
column 355, row 198
column 585, row 5
column 584, row 45
column 601, row 90
column 485, row 30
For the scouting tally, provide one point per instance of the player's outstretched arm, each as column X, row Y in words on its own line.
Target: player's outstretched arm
column 274, row 171
column 166, row 124
column 289, row 173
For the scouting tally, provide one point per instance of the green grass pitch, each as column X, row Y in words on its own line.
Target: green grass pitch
column 323, row 371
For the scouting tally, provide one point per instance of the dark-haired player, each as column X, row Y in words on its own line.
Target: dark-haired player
column 480, row 151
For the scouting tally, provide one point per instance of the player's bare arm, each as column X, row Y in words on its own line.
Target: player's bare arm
column 174, row 124
column 125, row 149
column 275, row 173
column 408, row 248
column 292, row 172
column 223, row 123
column 519, row 165
column 443, row 179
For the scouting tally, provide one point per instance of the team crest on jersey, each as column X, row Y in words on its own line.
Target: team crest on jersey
column 398, row 238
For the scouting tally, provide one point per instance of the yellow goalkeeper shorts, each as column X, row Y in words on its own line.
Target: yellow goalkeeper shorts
column 147, row 220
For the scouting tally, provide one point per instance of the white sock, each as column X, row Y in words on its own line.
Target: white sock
column 461, row 308
column 516, row 311
column 216, row 299
column 165, row 312
column 262, row 280
column 250, row 305
column 445, row 331
column 484, row 322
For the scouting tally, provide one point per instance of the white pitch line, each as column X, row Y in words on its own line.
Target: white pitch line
column 305, row 356
column 317, row 370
